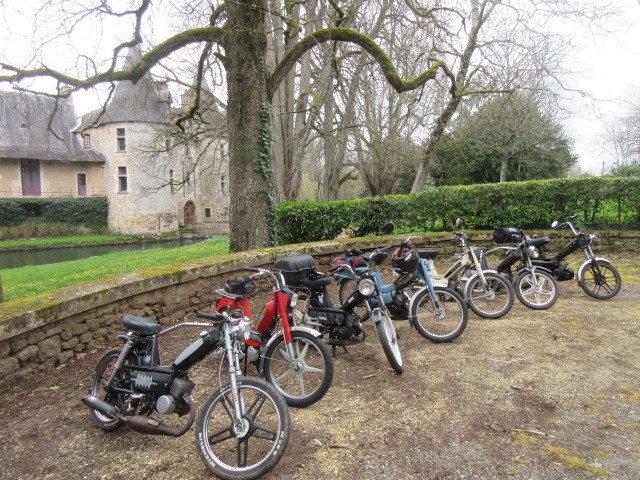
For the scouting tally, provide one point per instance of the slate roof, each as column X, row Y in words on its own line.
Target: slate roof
column 29, row 128
column 139, row 102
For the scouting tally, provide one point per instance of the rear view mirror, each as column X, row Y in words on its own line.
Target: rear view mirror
column 459, row 223
column 555, row 224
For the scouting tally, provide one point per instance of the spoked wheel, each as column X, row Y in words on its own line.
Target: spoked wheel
column 538, row 295
column 495, row 300
column 442, row 322
column 388, row 339
column 304, row 378
column 99, row 389
column 601, row 281
column 249, row 448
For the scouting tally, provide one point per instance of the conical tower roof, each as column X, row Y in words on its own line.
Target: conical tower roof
column 139, row 102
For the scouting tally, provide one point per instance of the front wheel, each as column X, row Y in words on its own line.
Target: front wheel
column 110, row 393
column 388, row 339
column 441, row 321
column 601, row 280
column 537, row 291
column 304, row 377
column 249, row 448
column 492, row 299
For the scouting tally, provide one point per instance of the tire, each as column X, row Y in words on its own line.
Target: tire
column 445, row 325
column 492, row 304
column 98, row 388
column 347, row 287
column 268, row 427
column 306, row 380
column 389, row 341
column 541, row 300
column 601, row 281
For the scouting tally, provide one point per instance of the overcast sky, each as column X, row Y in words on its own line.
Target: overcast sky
column 610, row 70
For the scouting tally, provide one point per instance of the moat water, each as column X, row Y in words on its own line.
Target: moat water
column 55, row 255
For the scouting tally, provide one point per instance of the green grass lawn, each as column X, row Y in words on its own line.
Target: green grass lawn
column 31, row 280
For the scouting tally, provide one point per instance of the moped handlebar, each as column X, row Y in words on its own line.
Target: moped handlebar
column 277, row 275
column 215, row 317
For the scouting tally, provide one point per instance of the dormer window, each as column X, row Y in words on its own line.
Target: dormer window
column 121, row 139
column 86, row 141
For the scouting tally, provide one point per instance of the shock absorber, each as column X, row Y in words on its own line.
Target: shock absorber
column 120, row 361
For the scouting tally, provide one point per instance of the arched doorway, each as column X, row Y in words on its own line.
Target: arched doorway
column 189, row 213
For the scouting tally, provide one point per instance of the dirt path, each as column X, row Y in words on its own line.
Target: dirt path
column 535, row 395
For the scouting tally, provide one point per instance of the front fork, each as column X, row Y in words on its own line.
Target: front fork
column 233, row 361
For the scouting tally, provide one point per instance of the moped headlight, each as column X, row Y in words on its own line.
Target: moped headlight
column 532, row 252
column 366, row 287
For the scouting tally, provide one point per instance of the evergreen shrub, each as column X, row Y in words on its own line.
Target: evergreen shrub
column 89, row 211
column 602, row 202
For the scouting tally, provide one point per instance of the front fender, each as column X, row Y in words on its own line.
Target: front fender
column 472, row 277
column 413, row 299
column 297, row 328
column 587, row 263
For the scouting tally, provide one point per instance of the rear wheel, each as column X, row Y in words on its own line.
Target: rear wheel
column 252, row 447
column 101, row 389
column 388, row 339
column 304, row 378
column 442, row 322
column 601, row 281
column 495, row 300
column 539, row 291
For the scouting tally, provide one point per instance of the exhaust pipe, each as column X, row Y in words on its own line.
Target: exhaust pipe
column 142, row 423
column 150, row 426
column 101, row 406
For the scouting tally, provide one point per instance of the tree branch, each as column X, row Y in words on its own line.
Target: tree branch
column 147, row 61
column 353, row 36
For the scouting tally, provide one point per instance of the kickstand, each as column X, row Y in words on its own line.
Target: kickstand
column 333, row 348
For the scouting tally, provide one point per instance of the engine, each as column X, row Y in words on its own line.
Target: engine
column 168, row 392
column 562, row 272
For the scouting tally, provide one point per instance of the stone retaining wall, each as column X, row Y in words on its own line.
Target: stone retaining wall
column 45, row 331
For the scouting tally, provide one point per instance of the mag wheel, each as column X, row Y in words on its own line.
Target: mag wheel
column 99, row 388
column 304, row 378
column 249, row 448
column 494, row 301
column 388, row 339
column 538, row 295
column 601, row 281
column 442, row 322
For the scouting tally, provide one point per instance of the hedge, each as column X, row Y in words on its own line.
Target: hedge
column 602, row 202
column 88, row 211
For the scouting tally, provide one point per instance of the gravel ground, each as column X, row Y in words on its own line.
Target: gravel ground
column 535, row 395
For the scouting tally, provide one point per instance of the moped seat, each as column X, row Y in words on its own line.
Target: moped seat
column 315, row 283
column 428, row 254
column 538, row 242
column 141, row 325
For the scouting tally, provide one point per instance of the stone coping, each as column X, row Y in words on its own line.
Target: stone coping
column 23, row 315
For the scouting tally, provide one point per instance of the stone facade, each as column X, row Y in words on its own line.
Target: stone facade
column 158, row 177
column 155, row 176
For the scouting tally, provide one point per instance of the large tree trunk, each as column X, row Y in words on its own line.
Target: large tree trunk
column 248, row 127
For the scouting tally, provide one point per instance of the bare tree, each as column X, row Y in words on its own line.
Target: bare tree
column 501, row 47
column 623, row 136
column 239, row 28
